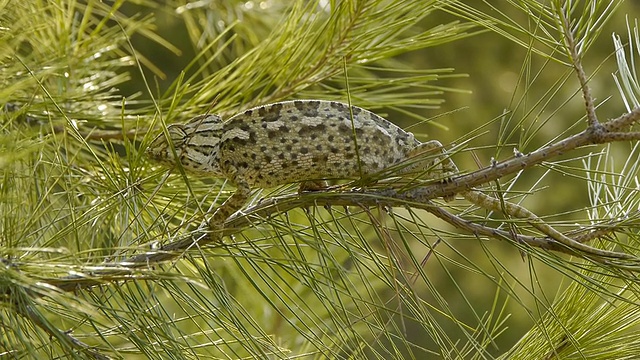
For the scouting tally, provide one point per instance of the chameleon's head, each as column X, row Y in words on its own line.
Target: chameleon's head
column 195, row 144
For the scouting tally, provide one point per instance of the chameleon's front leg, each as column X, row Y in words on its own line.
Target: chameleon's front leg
column 229, row 206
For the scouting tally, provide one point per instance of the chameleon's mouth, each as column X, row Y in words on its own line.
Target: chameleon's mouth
column 157, row 149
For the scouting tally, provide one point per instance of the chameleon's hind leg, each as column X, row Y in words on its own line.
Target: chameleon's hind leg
column 441, row 165
column 438, row 167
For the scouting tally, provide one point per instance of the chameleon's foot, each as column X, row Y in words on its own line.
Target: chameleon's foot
column 215, row 233
column 312, row 185
column 214, row 228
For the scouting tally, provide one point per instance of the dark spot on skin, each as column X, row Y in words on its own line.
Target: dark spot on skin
column 310, row 109
column 349, row 156
column 283, row 129
column 253, row 156
column 294, row 163
column 334, row 150
column 304, row 131
column 281, row 156
column 241, row 142
column 287, row 147
column 267, row 159
column 376, row 137
column 337, row 105
column 330, row 137
column 293, row 117
column 270, row 116
column 277, row 107
column 304, row 150
column 294, row 156
column 401, row 138
column 272, row 134
column 344, row 128
column 319, row 147
column 248, row 113
column 243, row 165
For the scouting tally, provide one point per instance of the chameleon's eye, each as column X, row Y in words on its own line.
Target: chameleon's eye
column 178, row 135
column 160, row 149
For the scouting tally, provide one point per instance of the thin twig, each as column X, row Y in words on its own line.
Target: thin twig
column 63, row 336
column 87, row 134
column 576, row 60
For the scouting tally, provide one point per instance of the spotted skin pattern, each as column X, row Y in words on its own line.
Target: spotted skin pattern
column 287, row 142
column 307, row 142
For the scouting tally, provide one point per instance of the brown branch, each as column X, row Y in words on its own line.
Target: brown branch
column 608, row 132
column 250, row 217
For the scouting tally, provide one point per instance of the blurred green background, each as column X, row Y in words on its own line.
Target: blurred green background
column 494, row 66
column 123, row 202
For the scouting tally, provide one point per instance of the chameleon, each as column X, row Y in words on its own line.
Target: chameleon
column 309, row 142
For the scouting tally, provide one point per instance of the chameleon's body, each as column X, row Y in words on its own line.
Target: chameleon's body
column 287, row 142
column 308, row 141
